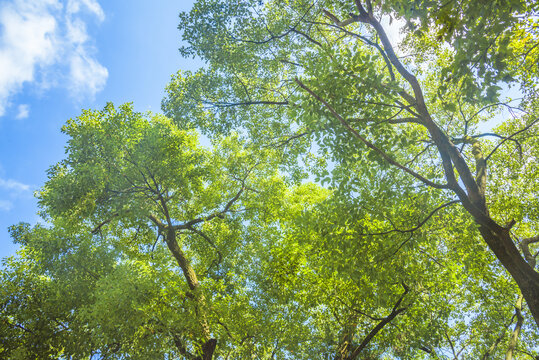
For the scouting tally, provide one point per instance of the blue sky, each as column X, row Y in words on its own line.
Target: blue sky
column 60, row 56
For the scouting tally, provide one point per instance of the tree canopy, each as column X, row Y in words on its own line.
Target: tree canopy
column 350, row 204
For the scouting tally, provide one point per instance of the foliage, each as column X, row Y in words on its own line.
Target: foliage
column 350, row 206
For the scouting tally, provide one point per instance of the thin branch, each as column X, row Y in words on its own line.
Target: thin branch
column 360, row 312
column 100, row 225
column 420, row 224
column 451, row 345
column 17, row 326
column 394, row 312
column 276, row 37
column 418, row 155
column 465, row 140
column 189, row 225
column 155, row 242
column 288, row 139
column 261, row 102
column 306, row 36
column 367, row 142
column 212, row 244
column 405, row 120
column 511, row 136
column 494, row 105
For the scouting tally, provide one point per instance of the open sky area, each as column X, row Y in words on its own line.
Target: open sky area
column 58, row 57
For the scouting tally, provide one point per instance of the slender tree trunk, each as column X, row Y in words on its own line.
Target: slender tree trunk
column 209, row 345
column 516, row 331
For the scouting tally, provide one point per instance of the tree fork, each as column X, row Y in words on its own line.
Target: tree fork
column 190, row 276
column 208, row 348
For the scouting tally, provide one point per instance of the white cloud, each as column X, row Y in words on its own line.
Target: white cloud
column 39, row 37
column 74, row 6
column 87, row 75
column 9, row 184
column 23, row 111
column 11, row 189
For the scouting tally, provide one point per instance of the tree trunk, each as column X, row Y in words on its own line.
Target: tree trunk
column 524, row 275
column 516, row 331
column 209, row 345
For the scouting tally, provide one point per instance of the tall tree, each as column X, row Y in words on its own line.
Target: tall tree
column 135, row 182
column 328, row 71
column 158, row 247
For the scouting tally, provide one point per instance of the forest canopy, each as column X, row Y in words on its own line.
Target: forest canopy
column 367, row 189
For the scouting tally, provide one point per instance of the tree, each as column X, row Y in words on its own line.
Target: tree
column 106, row 280
column 327, row 71
column 158, row 247
column 132, row 182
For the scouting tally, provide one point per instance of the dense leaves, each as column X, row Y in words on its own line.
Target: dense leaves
column 351, row 204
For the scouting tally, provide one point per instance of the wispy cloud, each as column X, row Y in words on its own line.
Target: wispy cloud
column 11, row 189
column 23, row 111
column 40, row 37
column 10, row 184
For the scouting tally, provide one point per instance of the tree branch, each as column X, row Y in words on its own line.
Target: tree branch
column 341, row 24
column 100, row 225
column 367, row 142
column 395, row 311
column 246, row 103
column 212, row 244
column 421, row 223
column 157, row 222
column 464, row 140
column 511, row 136
column 524, row 246
column 514, row 336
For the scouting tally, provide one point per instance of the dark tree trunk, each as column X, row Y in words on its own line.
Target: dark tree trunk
column 524, row 275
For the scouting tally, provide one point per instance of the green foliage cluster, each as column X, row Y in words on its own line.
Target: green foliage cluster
column 349, row 205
